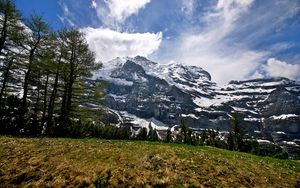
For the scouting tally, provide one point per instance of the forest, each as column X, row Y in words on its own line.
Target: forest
column 44, row 76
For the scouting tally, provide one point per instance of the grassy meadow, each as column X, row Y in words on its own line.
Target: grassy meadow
column 61, row 162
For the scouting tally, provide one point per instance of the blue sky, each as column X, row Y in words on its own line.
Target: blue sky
column 231, row 39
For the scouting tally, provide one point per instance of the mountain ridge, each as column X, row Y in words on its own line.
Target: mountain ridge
column 170, row 92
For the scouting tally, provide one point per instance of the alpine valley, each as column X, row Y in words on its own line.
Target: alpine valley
column 143, row 93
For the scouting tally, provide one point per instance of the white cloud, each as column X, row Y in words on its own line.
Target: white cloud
column 108, row 44
column 66, row 14
column 115, row 12
column 236, row 65
column 120, row 9
column 210, row 50
column 266, row 18
column 221, row 20
column 224, row 45
column 281, row 46
column 277, row 68
column 94, row 4
column 188, row 6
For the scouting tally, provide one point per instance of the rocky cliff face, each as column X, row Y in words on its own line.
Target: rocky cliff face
column 142, row 89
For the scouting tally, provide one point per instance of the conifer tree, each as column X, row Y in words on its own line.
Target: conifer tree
column 185, row 132
column 12, row 36
column 79, row 61
column 168, row 136
column 33, row 45
column 11, row 28
column 57, row 63
column 236, row 134
column 153, row 135
column 142, row 135
column 203, row 137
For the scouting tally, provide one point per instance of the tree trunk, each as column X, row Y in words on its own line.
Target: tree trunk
column 63, row 114
column 70, row 92
column 26, row 82
column 3, row 32
column 45, row 99
column 71, row 81
column 67, row 98
column 53, row 94
column 35, row 124
column 5, row 78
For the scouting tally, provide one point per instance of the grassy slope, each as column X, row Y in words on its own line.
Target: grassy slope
column 85, row 162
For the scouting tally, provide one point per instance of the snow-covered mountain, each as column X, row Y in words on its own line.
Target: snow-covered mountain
column 141, row 89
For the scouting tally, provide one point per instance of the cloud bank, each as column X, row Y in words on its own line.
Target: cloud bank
column 277, row 68
column 108, row 44
column 113, row 13
column 120, row 9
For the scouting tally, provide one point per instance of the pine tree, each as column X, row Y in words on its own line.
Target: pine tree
column 79, row 62
column 185, row 132
column 195, row 139
column 169, row 136
column 12, row 36
column 153, row 135
column 57, row 63
column 33, row 45
column 236, row 134
column 203, row 137
column 142, row 135
column 11, row 28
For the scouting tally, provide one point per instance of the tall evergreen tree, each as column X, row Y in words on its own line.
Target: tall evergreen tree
column 142, row 134
column 57, row 52
column 12, row 36
column 152, row 135
column 236, row 134
column 169, row 136
column 11, row 27
column 185, row 132
column 77, row 63
column 34, row 43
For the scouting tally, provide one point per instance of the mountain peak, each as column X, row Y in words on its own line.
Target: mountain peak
column 168, row 92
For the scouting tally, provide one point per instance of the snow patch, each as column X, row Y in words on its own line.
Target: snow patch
column 144, row 123
column 290, row 143
column 190, row 115
column 284, row 116
column 252, row 119
column 264, row 141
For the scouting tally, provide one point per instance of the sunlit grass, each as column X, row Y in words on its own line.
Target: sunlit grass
column 63, row 162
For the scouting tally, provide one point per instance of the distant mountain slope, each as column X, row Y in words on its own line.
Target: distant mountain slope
column 170, row 92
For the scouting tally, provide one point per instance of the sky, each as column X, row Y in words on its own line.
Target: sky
column 231, row 39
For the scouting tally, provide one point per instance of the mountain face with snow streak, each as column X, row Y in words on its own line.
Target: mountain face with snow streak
column 171, row 92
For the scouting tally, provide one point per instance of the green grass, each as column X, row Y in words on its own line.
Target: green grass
column 61, row 162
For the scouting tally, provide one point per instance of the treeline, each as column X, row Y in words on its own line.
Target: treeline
column 44, row 77
column 235, row 140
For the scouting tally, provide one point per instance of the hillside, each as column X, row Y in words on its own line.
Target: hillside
column 45, row 162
